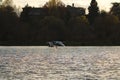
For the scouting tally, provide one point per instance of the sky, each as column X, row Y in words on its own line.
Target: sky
column 103, row 4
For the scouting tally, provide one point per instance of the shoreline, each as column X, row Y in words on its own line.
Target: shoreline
column 67, row 43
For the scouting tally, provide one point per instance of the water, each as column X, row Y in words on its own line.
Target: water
column 63, row 63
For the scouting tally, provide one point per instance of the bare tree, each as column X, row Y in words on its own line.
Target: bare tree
column 7, row 3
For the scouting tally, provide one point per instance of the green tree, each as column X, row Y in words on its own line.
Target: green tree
column 52, row 28
column 115, row 9
column 93, row 11
column 79, row 29
column 8, row 22
column 106, row 27
column 24, row 14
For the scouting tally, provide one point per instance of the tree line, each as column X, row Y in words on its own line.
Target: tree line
column 95, row 27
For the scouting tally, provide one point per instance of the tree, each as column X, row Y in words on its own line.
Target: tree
column 106, row 27
column 115, row 9
column 93, row 11
column 52, row 28
column 7, row 3
column 54, row 3
column 24, row 14
column 10, row 4
column 8, row 22
column 55, row 8
column 79, row 29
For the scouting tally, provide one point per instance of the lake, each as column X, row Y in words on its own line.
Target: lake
column 62, row 63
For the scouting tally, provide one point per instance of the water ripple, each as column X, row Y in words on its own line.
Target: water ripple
column 68, row 63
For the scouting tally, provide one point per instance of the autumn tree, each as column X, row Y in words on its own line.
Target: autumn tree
column 54, row 3
column 55, row 7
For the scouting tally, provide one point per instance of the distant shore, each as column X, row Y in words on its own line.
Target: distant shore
column 67, row 43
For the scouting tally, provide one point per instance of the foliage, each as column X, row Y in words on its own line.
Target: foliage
column 79, row 28
column 54, row 3
column 8, row 21
column 106, row 27
column 55, row 7
column 7, row 3
column 52, row 28
column 58, row 24
column 93, row 11
column 115, row 9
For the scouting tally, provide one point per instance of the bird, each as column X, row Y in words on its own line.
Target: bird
column 55, row 43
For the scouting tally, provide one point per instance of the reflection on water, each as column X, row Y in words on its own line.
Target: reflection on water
column 63, row 63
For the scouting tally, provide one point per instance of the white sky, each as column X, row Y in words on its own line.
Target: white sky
column 103, row 4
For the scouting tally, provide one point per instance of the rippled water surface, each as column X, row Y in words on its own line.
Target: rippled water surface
column 63, row 63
